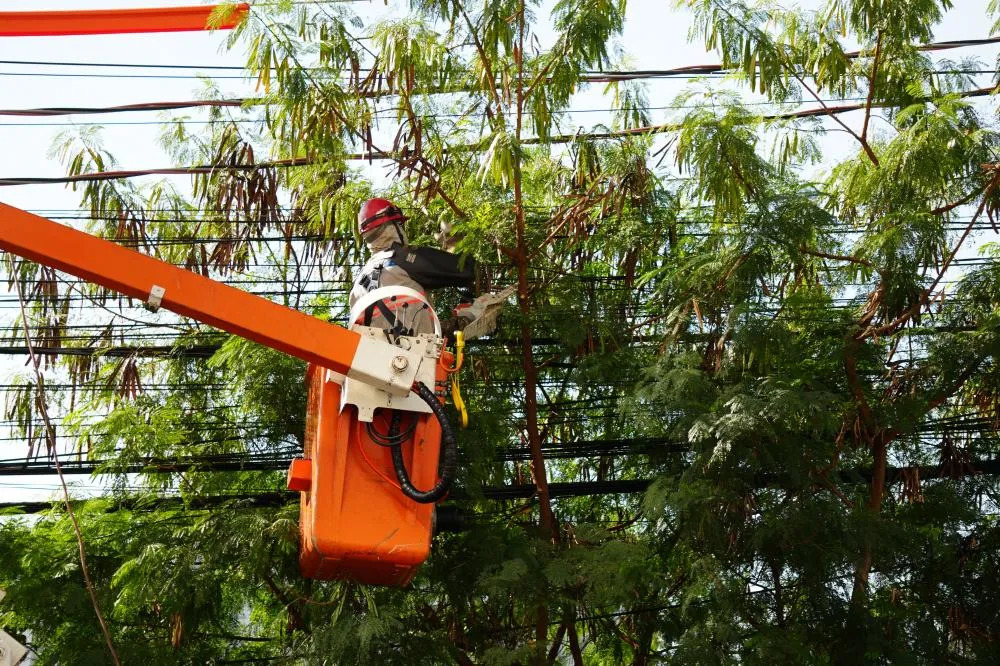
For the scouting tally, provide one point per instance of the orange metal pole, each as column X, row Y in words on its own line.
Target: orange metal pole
column 109, row 21
column 133, row 274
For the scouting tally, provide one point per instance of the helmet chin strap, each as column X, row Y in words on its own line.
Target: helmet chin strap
column 400, row 234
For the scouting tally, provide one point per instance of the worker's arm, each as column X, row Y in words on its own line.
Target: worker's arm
column 435, row 269
column 163, row 285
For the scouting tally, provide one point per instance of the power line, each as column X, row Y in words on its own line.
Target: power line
column 649, row 130
column 477, row 114
column 135, row 65
column 162, row 106
column 685, row 69
column 514, row 492
column 279, row 460
column 124, row 108
column 710, row 71
column 67, row 75
column 163, row 171
column 138, row 123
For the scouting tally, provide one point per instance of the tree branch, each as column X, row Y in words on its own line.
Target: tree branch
column 830, row 113
column 487, row 67
column 926, row 293
column 836, row 257
column 296, row 619
column 50, row 436
column 871, row 88
column 574, row 644
column 557, row 643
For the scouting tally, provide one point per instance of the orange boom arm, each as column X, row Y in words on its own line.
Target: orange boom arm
column 109, row 21
column 163, row 285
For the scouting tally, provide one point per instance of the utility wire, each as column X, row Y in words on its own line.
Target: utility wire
column 710, row 71
column 387, row 111
column 525, row 491
column 685, row 69
column 119, row 65
column 163, row 106
column 380, row 155
column 147, row 106
column 279, row 460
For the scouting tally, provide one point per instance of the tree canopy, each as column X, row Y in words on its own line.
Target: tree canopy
column 744, row 411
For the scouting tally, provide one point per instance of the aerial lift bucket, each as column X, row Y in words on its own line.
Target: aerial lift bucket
column 356, row 522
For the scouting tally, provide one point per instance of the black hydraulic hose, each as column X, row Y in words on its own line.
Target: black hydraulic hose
column 450, row 452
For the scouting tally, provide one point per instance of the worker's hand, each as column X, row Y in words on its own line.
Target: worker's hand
column 452, row 324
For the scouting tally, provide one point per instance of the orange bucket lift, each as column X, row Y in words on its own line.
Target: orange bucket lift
column 363, row 515
column 355, row 519
column 375, row 423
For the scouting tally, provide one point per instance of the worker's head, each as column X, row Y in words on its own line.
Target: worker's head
column 381, row 224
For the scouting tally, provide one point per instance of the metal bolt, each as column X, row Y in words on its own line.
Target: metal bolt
column 400, row 363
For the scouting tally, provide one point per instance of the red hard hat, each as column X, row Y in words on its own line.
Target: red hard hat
column 376, row 212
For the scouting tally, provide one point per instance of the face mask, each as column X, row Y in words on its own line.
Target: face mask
column 385, row 236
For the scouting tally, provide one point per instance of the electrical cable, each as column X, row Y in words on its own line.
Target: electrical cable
column 124, row 108
column 449, row 450
column 386, row 111
column 557, row 490
column 684, row 70
column 648, row 130
column 164, row 171
column 372, row 466
column 388, row 439
column 609, row 77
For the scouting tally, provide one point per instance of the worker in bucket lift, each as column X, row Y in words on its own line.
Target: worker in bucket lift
column 410, row 271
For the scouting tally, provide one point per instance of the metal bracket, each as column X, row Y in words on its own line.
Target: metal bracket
column 425, row 348
column 155, row 298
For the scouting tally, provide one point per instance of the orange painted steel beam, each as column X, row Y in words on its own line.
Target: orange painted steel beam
column 113, row 21
column 189, row 294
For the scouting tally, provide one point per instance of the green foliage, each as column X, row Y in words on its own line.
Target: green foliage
column 800, row 360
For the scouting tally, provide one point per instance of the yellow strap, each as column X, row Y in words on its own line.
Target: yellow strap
column 459, row 353
column 456, row 397
column 456, row 391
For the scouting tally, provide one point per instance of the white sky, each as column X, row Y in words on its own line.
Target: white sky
column 655, row 38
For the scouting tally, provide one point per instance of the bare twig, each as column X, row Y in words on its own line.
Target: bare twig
column 829, row 112
column 947, row 208
column 487, row 63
